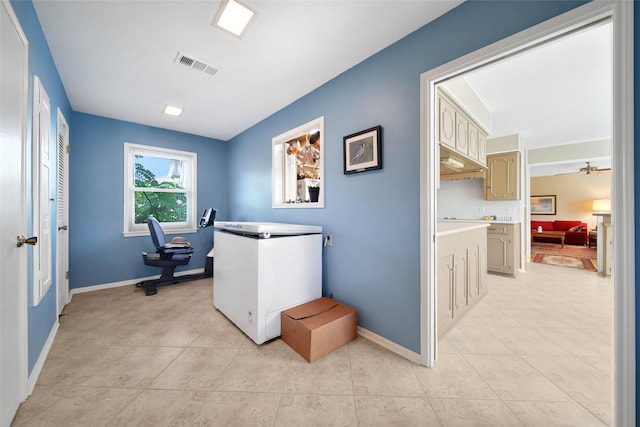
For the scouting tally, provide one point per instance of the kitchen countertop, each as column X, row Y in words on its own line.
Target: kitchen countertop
column 445, row 228
column 490, row 221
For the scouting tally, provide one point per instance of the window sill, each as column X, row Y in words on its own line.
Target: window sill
column 167, row 232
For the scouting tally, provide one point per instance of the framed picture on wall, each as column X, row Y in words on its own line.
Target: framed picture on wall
column 543, row 205
column 363, row 150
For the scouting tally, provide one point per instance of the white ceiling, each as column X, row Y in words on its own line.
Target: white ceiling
column 556, row 94
column 116, row 58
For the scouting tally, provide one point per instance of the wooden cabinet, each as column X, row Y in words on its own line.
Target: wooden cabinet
column 473, row 138
column 503, row 248
column 482, row 148
column 461, row 275
column 445, row 288
column 503, row 176
column 476, row 270
column 446, row 123
column 460, row 136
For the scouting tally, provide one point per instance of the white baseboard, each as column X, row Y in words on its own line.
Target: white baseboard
column 125, row 283
column 389, row 345
column 37, row 369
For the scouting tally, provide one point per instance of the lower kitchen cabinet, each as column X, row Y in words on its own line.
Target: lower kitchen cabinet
column 503, row 248
column 461, row 274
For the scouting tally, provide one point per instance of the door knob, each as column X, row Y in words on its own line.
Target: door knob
column 63, row 227
column 28, row 240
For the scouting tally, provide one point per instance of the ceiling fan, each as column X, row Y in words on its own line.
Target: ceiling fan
column 588, row 169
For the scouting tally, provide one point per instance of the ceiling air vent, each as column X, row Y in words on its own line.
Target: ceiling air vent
column 196, row 64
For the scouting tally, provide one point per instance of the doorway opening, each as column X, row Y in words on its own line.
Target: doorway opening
column 621, row 16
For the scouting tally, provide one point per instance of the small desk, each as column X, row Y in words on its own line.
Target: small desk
column 548, row 234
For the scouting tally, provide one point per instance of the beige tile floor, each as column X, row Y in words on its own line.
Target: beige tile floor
column 536, row 351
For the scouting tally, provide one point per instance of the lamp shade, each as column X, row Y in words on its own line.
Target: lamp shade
column 602, row 205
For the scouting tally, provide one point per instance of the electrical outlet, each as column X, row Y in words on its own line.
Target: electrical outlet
column 481, row 211
column 250, row 317
column 328, row 241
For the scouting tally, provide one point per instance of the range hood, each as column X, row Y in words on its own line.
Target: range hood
column 455, row 166
column 452, row 163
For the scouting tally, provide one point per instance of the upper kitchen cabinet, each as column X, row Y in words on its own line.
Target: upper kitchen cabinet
column 462, row 134
column 462, row 141
column 477, row 144
column 446, row 123
column 503, row 176
column 482, row 146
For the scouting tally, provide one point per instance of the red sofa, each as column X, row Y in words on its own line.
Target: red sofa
column 575, row 237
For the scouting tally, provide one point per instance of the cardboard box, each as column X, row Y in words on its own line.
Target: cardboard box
column 319, row 327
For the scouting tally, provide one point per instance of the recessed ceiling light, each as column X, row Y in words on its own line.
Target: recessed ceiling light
column 172, row 111
column 234, row 16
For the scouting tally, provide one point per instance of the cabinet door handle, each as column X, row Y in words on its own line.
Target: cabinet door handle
column 452, row 278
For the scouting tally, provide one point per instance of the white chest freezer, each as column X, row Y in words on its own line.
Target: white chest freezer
column 262, row 269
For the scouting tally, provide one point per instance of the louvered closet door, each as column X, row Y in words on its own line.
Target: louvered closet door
column 62, row 215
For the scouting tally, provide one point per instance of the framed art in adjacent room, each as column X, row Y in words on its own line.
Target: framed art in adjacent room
column 543, row 205
column 363, row 150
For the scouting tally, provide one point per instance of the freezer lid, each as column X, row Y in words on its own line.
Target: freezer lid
column 273, row 228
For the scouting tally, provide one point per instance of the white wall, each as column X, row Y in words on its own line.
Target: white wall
column 464, row 199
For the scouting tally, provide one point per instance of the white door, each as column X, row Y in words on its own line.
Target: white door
column 62, row 212
column 42, row 199
column 13, row 266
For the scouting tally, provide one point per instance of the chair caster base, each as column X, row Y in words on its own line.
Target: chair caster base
column 150, row 290
column 151, row 286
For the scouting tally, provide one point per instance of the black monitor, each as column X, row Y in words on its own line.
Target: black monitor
column 208, row 216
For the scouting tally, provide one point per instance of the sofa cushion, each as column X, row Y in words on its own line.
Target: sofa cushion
column 576, row 232
column 565, row 225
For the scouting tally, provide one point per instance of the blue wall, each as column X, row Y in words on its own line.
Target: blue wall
column 98, row 252
column 41, row 318
column 374, row 262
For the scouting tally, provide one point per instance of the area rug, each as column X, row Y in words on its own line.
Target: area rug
column 569, row 256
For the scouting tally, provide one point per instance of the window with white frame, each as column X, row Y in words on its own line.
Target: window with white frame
column 159, row 182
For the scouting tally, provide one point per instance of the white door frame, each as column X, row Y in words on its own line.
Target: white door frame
column 62, row 211
column 621, row 15
column 21, row 321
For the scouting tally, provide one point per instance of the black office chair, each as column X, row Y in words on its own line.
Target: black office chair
column 167, row 256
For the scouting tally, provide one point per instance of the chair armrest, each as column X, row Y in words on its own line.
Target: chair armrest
column 176, row 250
column 177, row 245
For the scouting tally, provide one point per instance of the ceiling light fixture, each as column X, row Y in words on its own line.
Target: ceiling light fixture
column 234, row 17
column 173, row 111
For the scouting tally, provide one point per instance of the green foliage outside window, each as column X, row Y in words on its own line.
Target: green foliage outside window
column 165, row 206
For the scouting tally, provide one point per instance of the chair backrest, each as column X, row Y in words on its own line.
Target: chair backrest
column 157, row 235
